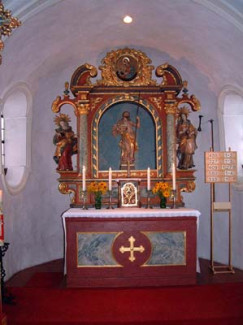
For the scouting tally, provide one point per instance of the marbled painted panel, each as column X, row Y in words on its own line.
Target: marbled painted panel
column 95, row 249
column 170, row 141
column 168, row 248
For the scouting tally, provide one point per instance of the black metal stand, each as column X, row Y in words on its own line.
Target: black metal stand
column 7, row 298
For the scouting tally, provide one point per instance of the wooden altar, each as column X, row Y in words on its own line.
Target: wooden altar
column 130, row 247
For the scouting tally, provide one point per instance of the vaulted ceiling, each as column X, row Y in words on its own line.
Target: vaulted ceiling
column 230, row 10
column 206, row 33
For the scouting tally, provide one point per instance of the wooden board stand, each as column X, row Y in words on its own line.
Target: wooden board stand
column 220, row 167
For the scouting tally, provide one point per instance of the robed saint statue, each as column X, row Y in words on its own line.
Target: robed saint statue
column 128, row 144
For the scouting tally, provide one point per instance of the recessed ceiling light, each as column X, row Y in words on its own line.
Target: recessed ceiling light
column 127, row 19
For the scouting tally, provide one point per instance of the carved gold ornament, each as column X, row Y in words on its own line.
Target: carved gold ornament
column 94, row 102
column 170, row 108
column 83, row 109
column 157, row 101
column 7, row 24
column 169, row 74
column 189, row 187
column 64, row 189
column 192, row 101
column 126, row 67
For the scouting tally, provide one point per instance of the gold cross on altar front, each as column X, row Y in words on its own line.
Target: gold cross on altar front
column 132, row 249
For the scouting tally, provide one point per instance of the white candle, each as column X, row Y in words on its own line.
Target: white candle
column 173, row 177
column 148, row 179
column 84, row 178
column 1, row 196
column 110, row 179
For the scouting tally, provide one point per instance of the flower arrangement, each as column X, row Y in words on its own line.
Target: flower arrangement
column 162, row 189
column 97, row 188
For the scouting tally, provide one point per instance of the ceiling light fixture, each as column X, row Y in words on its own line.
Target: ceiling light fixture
column 127, row 19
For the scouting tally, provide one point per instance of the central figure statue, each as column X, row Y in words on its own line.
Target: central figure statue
column 128, row 144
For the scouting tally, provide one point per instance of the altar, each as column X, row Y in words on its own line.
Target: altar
column 125, row 140
column 130, row 247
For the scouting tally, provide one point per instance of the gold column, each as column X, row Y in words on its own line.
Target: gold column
column 83, row 108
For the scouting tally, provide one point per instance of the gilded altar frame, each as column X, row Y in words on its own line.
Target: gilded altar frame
column 161, row 98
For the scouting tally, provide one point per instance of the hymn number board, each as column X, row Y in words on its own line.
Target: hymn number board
column 221, row 167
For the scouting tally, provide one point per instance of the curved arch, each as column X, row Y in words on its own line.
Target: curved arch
column 226, row 91
column 17, row 110
column 121, row 99
column 230, row 116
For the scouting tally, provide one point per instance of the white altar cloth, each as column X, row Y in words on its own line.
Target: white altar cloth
column 128, row 213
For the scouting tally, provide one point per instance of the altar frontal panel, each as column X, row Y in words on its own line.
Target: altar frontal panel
column 131, row 252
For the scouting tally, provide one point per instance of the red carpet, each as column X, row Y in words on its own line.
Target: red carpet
column 218, row 304
column 45, row 280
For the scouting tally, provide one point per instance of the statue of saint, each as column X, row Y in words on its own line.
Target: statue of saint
column 128, row 144
column 186, row 138
column 65, row 141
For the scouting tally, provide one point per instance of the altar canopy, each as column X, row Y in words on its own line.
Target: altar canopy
column 130, row 247
column 131, row 119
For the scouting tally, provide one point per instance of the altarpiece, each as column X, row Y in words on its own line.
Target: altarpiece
column 153, row 107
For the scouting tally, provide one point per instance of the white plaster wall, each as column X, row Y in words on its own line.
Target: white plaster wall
column 45, row 51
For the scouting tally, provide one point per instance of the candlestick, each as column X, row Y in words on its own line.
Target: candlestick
column 84, row 179
column 173, row 196
column 110, row 205
column 173, row 177
column 148, row 179
column 148, row 200
column 110, row 179
column 84, row 194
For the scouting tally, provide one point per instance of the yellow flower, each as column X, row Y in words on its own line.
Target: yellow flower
column 166, row 193
column 98, row 188
column 162, row 189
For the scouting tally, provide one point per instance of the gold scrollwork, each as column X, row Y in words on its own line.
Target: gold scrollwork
column 157, row 101
column 189, row 187
column 170, row 108
column 94, row 102
column 192, row 101
column 64, row 189
column 169, row 74
column 55, row 105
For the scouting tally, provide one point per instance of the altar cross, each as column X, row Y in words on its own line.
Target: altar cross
column 132, row 249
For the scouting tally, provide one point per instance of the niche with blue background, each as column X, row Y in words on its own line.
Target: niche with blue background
column 109, row 150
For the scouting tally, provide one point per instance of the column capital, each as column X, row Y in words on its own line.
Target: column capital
column 83, row 108
column 170, row 108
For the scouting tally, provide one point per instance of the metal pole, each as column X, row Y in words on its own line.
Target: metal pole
column 212, row 137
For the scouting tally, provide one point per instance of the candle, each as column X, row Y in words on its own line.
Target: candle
column 173, row 177
column 84, row 178
column 1, row 196
column 148, row 179
column 110, row 179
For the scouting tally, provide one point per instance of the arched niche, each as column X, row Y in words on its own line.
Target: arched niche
column 105, row 146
